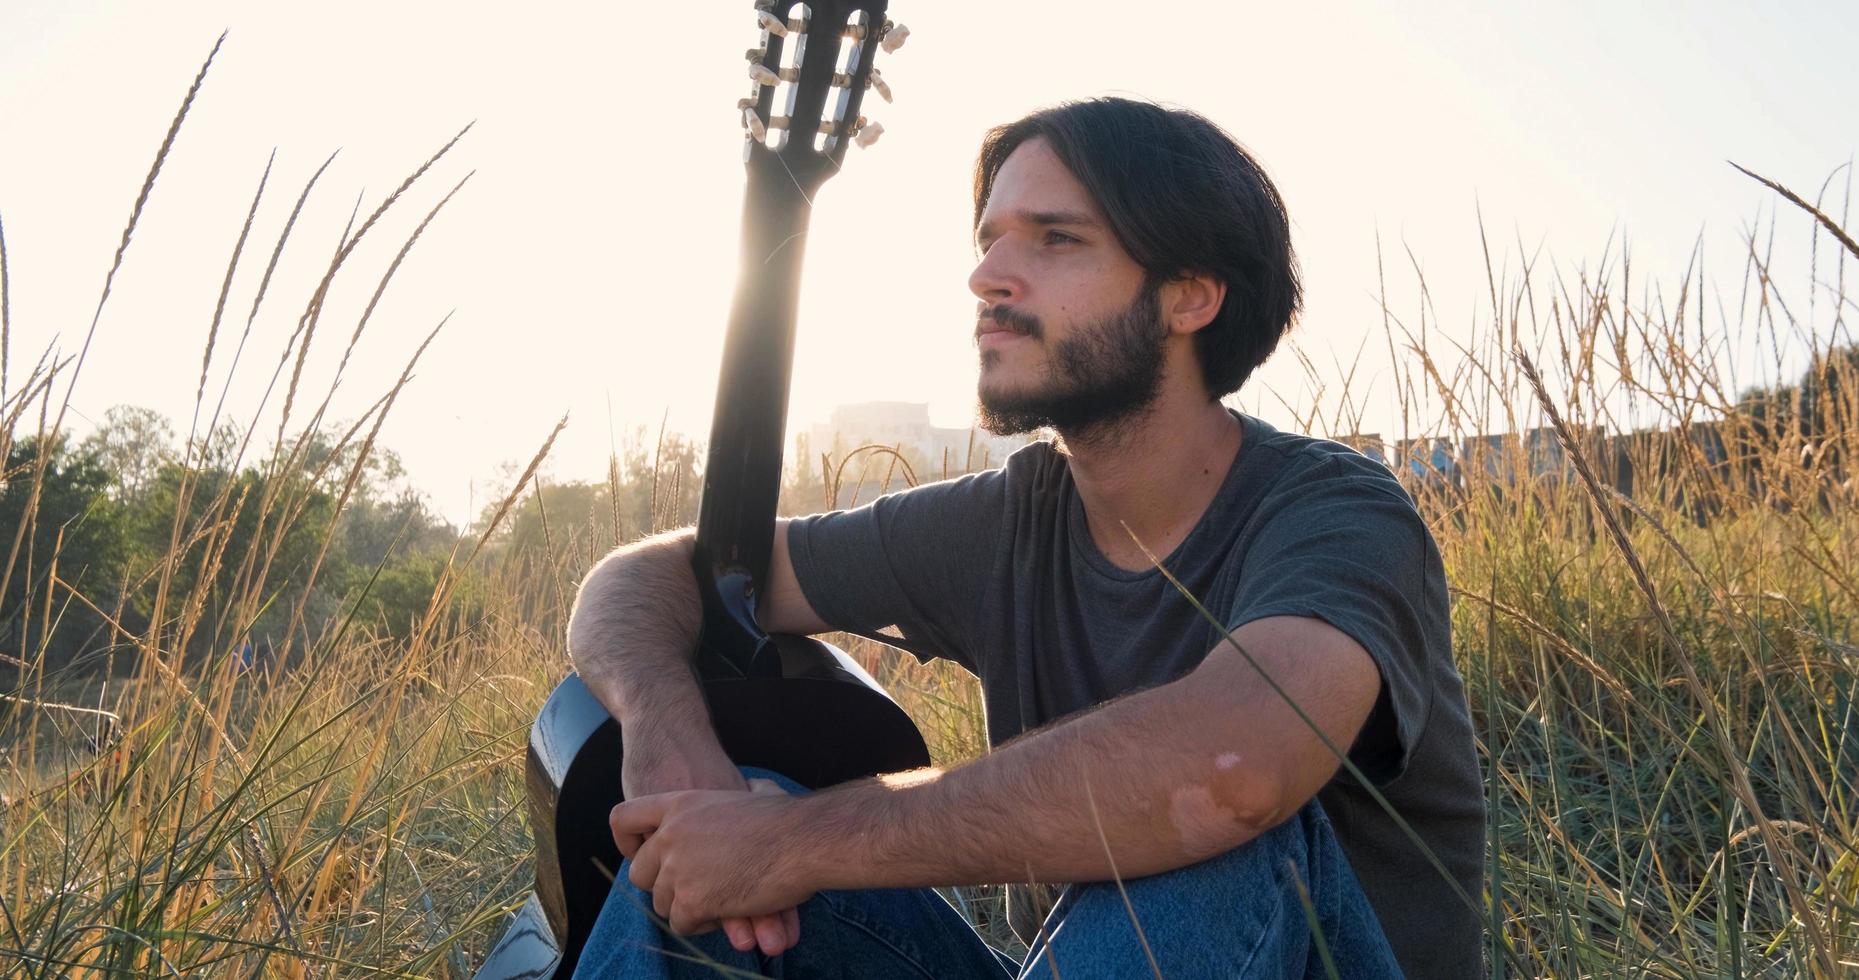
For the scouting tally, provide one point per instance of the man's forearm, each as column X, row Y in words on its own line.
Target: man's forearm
column 1126, row 790
column 632, row 633
column 1121, row 791
column 1152, row 782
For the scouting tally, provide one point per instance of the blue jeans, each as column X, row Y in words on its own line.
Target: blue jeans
column 1239, row 914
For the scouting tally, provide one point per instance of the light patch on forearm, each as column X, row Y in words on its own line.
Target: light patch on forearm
column 1226, row 760
column 909, row 778
column 1204, row 826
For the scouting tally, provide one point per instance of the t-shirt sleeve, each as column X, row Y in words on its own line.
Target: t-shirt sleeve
column 916, row 560
column 1343, row 543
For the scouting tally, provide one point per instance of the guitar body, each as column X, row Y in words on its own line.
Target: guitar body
column 790, row 704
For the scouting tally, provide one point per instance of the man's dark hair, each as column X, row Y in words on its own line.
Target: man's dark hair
column 1182, row 197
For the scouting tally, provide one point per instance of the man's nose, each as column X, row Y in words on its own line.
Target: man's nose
column 994, row 279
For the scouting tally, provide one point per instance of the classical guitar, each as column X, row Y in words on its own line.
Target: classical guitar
column 787, row 703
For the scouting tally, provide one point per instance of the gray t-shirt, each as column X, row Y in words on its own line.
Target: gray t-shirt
column 998, row 572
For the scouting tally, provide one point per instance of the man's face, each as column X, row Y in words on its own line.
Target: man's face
column 1069, row 327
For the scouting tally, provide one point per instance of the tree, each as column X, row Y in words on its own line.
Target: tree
column 132, row 445
column 71, row 527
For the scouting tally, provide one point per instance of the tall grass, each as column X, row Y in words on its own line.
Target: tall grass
column 191, row 814
column 1664, row 677
column 1663, row 674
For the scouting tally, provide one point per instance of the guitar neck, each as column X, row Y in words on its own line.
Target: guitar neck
column 742, row 472
column 808, row 78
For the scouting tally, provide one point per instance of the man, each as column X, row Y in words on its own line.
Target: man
column 1135, row 266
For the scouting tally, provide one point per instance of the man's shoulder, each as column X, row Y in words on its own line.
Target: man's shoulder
column 1031, row 469
column 1038, row 466
column 1295, row 459
column 1035, row 470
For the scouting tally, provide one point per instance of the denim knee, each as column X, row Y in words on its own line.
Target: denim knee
column 1245, row 912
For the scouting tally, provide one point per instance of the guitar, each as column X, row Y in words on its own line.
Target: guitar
column 787, row 703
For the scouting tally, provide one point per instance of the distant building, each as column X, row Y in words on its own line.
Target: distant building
column 1368, row 444
column 1429, row 460
column 1536, row 453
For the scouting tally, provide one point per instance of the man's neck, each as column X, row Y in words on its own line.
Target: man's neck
column 1146, row 482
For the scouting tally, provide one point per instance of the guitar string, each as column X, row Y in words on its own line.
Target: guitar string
column 802, row 191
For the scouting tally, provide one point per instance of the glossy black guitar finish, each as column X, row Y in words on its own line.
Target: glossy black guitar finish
column 790, row 704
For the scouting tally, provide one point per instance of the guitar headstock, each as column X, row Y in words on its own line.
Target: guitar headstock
column 810, row 72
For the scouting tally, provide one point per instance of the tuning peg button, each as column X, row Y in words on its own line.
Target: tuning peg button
column 877, row 83
column 770, row 23
column 894, row 37
column 762, row 75
column 868, row 134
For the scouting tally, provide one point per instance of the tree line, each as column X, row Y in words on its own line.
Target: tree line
column 109, row 532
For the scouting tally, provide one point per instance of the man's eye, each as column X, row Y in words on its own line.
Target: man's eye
column 1058, row 238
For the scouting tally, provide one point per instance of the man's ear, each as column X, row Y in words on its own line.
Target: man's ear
column 1191, row 302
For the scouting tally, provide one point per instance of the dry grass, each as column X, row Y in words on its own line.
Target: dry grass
column 1664, row 678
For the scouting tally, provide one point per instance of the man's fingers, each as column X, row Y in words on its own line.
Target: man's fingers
column 644, row 873
column 766, row 787
column 637, row 817
column 741, row 933
column 682, row 922
column 628, row 828
column 792, row 919
column 771, row 934
column 662, row 904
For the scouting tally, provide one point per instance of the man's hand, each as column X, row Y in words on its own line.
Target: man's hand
column 709, row 855
column 667, row 772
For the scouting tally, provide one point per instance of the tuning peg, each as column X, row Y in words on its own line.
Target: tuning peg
column 893, row 37
column 868, row 133
column 877, row 82
column 770, row 23
column 754, row 124
column 762, row 74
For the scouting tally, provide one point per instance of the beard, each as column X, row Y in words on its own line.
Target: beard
column 1104, row 372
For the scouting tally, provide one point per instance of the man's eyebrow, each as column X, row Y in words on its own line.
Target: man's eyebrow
column 987, row 229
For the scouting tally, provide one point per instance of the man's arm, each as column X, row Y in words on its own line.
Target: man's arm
column 633, row 635
column 1148, row 783
column 1145, row 784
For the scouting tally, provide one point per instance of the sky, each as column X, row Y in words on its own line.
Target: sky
column 587, row 263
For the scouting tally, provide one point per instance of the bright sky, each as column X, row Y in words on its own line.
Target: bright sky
column 589, row 260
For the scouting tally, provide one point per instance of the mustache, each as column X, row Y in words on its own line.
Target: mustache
column 1011, row 319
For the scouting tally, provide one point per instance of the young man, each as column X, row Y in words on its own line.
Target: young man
column 1135, row 266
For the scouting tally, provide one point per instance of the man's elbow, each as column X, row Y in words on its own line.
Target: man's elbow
column 1260, row 801
column 1215, row 817
column 654, row 566
column 622, row 562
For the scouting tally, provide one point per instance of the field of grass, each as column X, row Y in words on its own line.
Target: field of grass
column 1664, row 679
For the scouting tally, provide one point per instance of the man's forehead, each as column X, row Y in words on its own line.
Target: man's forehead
column 1034, row 185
